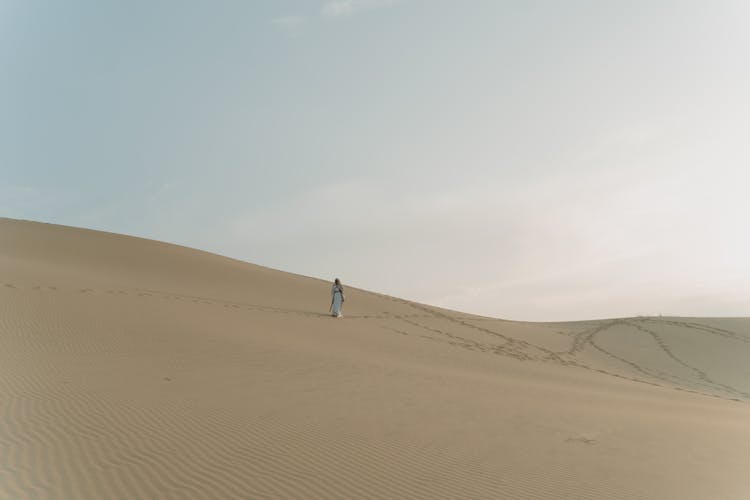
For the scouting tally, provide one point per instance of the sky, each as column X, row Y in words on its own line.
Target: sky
column 529, row 160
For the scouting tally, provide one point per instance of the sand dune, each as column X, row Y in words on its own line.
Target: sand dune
column 131, row 368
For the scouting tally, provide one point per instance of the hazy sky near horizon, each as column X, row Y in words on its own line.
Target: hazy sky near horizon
column 537, row 160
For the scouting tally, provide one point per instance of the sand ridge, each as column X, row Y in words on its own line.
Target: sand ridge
column 138, row 369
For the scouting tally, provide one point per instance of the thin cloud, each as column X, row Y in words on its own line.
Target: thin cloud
column 345, row 8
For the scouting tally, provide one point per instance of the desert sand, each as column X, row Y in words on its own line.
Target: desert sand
column 131, row 368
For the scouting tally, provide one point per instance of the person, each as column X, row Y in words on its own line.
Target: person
column 337, row 299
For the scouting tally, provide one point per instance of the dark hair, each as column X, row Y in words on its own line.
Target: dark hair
column 337, row 281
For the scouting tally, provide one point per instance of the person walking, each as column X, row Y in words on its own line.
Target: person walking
column 337, row 299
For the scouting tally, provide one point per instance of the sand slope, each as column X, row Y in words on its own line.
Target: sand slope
column 136, row 369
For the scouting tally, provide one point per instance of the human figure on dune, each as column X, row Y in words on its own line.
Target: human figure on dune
column 337, row 299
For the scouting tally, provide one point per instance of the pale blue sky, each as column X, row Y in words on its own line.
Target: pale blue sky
column 527, row 160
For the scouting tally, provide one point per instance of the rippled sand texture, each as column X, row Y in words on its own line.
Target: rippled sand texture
column 136, row 369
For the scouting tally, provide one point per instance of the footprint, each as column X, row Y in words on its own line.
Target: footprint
column 581, row 439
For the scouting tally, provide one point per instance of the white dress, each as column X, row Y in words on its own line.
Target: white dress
column 337, row 293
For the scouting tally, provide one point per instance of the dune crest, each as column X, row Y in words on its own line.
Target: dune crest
column 131, row 368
